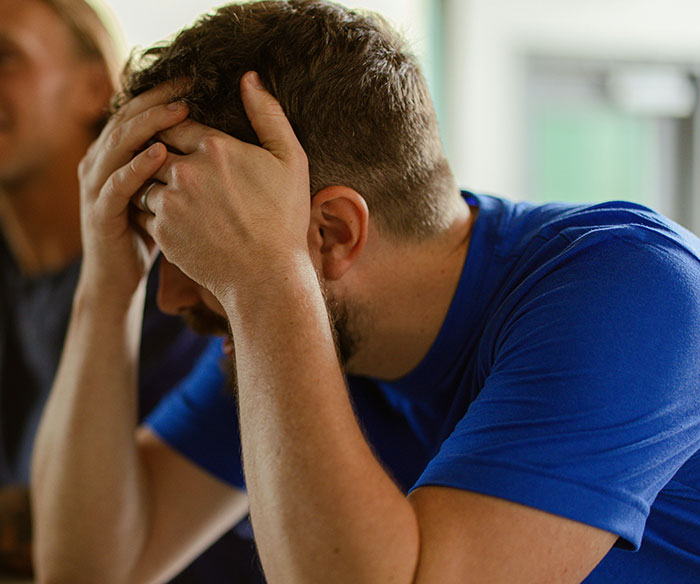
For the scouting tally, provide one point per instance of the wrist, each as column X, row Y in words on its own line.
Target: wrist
column 271, row 290
column 107, row 302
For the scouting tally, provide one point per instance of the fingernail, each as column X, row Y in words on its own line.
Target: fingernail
column 174, row 105
column 154, row 151
column 254, row 80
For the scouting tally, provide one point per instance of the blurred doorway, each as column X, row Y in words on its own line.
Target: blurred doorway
column 602, row 130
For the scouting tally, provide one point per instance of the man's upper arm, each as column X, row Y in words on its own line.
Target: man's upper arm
column 585, row 413
column 469, row 537
column 190, row 509
column 588, row 405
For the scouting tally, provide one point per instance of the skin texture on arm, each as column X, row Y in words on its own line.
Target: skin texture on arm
column 189, row 509
column 99, row 493
column 323, row 508
column 360, row 527
column 89, row 490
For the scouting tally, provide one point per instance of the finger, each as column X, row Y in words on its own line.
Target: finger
column 130, row 135
column 127, row 180
column 118, row 144
column 159, row 95
column 142, row 201
column 165, row 173
column 145, row 223
column 268, row 120
column 187, row 136
column 149, row 242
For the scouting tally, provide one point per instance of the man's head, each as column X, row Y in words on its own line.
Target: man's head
column 57, row 71
column 361, row 110
column 355, row 97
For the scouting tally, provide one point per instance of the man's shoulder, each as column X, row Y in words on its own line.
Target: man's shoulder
column 620, row 220
column 524, row 229
column 586, row 263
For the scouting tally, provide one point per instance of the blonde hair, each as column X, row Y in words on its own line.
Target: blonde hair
column 96, row 33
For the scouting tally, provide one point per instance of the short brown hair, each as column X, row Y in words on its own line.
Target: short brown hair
column 354, row 95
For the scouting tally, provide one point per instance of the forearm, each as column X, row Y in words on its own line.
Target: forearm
column 322, row 507
column 88, row 492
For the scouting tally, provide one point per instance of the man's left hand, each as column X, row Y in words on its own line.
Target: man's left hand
column 229, row 213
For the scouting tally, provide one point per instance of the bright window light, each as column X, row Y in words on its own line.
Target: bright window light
column 145, row 22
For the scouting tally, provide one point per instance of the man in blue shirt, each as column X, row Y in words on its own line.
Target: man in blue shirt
column 522, row 401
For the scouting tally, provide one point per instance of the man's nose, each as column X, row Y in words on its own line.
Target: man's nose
column 176, row 292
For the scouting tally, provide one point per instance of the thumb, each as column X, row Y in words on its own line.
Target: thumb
column 267, row 118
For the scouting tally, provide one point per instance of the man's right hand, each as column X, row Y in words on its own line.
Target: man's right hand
column 116, row 256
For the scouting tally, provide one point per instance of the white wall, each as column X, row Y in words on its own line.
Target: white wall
column 487, row 40
column 145, row 22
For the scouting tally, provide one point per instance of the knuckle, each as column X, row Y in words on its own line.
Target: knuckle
column 92, row 150
column 164, row 202
column 118, row 116
column 87, row 161
column 111, row 185
column 169, row 206
column 83, row 166
column 180, row 173
column 114, row 138
column 176, row 172
column 159, row 231
column 145, row 117
column 133, row 167
column 211, row 144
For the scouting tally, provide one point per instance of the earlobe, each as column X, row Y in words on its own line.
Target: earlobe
column 338, row 229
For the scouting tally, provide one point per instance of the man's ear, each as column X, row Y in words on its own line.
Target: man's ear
column 338, row 229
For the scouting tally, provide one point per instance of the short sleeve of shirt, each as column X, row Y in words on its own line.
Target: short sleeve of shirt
column 591, row 401
column 199, row 419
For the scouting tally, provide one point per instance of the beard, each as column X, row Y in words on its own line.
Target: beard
column 204, row 321
column 345, row 338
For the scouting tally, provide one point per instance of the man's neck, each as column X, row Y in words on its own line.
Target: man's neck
column 413, row 290
column 40, row 220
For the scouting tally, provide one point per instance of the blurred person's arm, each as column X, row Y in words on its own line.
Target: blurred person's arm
column 112, row 504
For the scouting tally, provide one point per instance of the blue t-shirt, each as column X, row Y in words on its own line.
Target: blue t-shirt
column 566, row 377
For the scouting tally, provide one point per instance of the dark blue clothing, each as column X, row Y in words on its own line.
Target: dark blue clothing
column 566, row 377
column 34, row 314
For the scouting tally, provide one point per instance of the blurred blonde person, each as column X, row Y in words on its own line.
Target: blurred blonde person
column 59, row 66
